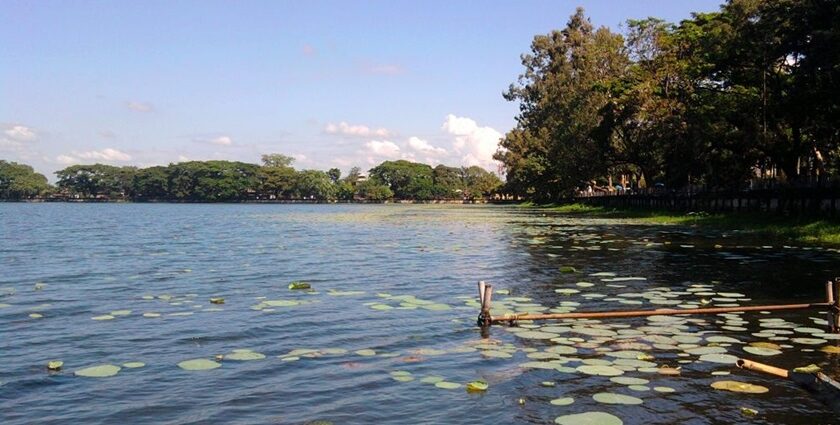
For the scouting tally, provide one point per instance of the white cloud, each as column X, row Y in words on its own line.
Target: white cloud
column 221, row 141
column 140, row 106
column 383, row 149
column 104, row 155
column 423, row 146
column 475, row 144
column 20, row 133
column 17, row 138
column 356, row 130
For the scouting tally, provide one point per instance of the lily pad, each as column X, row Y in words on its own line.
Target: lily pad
column 761, row 351
column 366, row 352
column 567, row 269
column 299, row 285
column 101, row 371
column 589, row 418
column 476, row 386
column 244, row 355
column 133, row 365
column 446, row 385
column 739, row 387
column 199, row 364
column 613, row 398
column 600, row 370
column 55, row 365
column 562, row 401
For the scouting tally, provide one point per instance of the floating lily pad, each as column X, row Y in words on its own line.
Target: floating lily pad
column 739, row 387
column 562, row 401
column 199, row 364
column 55, row 365
column 36, row 315
column 299, row 285
column 120, row 312
column 217, row 300
column 626, row 380
column 664, row 389
column 151, row 315
column 133, row 365
column 431, row 379
column 719, row 358
column 811, row 368
column 366, row 352
column 567, row 269
column 600, row 370
column 588, row 418
column 476, row 386
column 760, row 351
column 447, row 385
column 101, row 371
column 613, row 398
column 244, row 355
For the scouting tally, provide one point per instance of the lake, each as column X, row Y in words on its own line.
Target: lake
column 387, row 332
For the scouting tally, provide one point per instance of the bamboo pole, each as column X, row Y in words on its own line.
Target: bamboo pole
column 761, row 367
column 662, row 312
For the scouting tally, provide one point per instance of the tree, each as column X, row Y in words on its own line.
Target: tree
column 20, row 181
column 371, row 190
column 334, row 174
column 152, row 183
column 314, row 184
column 277, row 160
column 98, row 180
column 551, row 149
column 408, row 180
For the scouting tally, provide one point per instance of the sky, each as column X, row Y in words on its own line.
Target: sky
column 331, row 83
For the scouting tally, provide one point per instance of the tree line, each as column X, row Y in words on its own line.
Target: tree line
column 749, row 92
column 274, row 179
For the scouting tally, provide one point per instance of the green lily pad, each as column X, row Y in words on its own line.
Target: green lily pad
column 567, row 269
column 432, row 379
column 133, row 365
column 476, row 386
column 739, row 387
column 446, row 385
column 589, row 418
column 244, row 355
column 626, row 380
column 563, row 401
column 299, row 285
column 101, row 371
column 761, row 351
column 199, row 364
column 55, row 365
column 120, row 312
column 366, row 352
column 613, row 398
column 103, row 317
column 600, row 370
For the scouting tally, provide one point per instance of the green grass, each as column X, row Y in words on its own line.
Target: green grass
column 810, row 230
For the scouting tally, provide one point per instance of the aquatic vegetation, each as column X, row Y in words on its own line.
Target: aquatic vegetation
column 199, row 364
column 100, row 371
column 739, row 387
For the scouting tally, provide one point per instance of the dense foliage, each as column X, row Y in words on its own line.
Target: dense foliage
column 19, row 181
column 751, row 91
column 275, row 179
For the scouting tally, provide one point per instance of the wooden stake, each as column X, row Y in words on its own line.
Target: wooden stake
column 481, row 292
column 488, row 294
column 662, row 312
column 829, row 292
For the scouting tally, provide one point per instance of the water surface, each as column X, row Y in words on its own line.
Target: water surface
column 70, row 263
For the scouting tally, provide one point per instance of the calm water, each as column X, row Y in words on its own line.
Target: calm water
column 89, row 260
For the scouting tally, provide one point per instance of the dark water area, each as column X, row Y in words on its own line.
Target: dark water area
column 391, row 314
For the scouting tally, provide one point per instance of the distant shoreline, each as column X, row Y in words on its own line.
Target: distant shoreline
column 284, row 201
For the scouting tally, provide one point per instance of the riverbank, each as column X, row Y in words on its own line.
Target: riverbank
column 786, row 229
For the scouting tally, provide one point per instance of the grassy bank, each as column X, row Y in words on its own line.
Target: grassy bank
column 810, row 230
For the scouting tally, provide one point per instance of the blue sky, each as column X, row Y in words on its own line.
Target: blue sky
column 333, row 83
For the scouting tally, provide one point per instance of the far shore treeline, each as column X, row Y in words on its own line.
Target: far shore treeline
column 231, row 181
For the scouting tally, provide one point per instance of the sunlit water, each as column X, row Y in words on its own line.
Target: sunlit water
column 73, row 262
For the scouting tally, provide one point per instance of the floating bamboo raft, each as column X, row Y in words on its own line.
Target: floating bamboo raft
column 831, row 306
